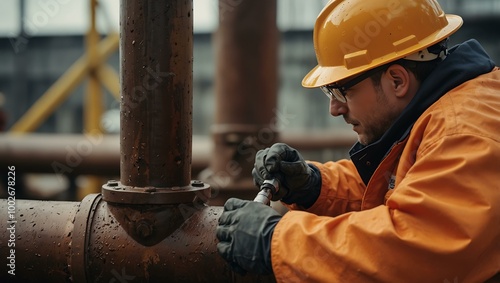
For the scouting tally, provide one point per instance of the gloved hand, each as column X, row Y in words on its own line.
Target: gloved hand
column 244, row 232
column 302, row 181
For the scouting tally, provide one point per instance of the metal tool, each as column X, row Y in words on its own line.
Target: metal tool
column 267, row 190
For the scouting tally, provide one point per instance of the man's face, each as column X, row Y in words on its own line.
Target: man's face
column 369, row 109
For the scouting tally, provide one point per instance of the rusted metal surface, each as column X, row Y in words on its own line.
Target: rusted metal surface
column 173, row 243
column 246, row 90
column 96, row 241
column 247, row 63
column 156, row 108
column 136, row 230
column 156, row 45
column 76, row 154
column 116, row 192
column 79, row 244
column 43, row 234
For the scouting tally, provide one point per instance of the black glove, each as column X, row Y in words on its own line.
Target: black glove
column 244, row 232
column 302, row 181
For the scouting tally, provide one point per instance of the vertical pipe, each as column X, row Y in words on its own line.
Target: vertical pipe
column 246, row 45
column 156, row 108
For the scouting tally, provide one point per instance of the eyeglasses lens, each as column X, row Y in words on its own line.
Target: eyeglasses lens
column 333, row 92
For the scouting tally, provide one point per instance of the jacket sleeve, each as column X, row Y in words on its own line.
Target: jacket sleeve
column 341, row 189
column 439, row 225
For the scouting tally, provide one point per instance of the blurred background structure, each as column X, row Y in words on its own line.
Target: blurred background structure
column 41, row 40
column 188, row 116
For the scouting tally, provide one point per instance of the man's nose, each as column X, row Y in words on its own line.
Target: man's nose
column 337, row 108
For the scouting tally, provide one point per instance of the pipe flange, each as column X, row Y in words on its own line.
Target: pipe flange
column 115, row 192
column 80, row 237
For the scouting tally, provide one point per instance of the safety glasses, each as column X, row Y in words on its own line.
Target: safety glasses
column 338, row 91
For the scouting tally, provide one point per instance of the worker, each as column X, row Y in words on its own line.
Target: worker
column 419, row 198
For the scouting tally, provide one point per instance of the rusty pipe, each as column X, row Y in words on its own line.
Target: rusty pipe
column 156, row 48
column 76, row 154
column 94, row 241
column 246, row 87
column 147, row 227
column 246, row 84
column 37, row 240
column 142, row 228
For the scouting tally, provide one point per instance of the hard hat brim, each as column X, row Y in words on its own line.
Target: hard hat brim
column 324, row 75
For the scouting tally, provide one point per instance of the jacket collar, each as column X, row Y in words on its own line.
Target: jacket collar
column 465, row 62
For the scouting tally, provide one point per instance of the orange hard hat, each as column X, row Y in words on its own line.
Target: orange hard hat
column 353, row 36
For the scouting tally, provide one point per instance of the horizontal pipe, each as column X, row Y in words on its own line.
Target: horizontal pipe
column 35, row 237
column 98, row 241
column 100, row 154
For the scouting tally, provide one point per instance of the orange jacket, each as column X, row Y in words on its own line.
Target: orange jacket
column 430, row 212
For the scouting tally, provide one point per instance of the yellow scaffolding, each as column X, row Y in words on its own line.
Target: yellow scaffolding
column 91, row 65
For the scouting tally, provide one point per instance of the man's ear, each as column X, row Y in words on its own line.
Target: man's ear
column 399, row 79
